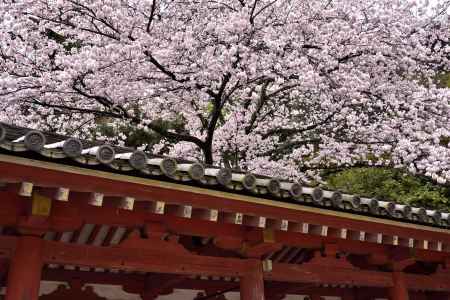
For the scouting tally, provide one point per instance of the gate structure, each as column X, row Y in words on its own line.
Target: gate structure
column 86, row 213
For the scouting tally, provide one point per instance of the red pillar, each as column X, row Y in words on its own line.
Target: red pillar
column 399, row 291
column 252, row 284
column 24, row 275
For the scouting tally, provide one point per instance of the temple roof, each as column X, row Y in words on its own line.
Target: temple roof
column 99, row 155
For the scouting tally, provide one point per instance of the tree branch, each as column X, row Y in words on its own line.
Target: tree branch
column 217, row 110
column 162, row 68
column 262, row 100
column 111, row 114
column 290, row 131
column 152, row 15
column 289, row 145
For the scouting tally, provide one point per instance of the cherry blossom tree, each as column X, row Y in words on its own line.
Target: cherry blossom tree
column 278, row 87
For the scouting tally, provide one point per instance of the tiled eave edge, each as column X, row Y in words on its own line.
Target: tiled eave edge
column 248, row 200
column 24, row 142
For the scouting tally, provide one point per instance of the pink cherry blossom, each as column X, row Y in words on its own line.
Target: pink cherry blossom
column 284, row 88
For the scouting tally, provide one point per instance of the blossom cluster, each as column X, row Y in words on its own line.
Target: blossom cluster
column 283, row 88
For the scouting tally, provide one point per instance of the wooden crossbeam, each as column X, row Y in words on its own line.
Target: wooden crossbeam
column 163, row 259
column 70, row 216
column 328, row 275
column 135, row 283
column 79, row 179
column 140, row 260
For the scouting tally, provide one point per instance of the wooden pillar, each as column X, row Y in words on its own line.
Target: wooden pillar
column 252, row 283
column 399, row 291
column 24, row 275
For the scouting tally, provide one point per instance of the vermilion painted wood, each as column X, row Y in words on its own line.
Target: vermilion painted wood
column 141, row 260
column 54, row 178
column 433, row 282
column 24, row 274
column 252, row 283
column 70, row 217
column 134, row 283
column 94, row 277
column 161, row 284
column 8, row 245
column 399, row 290
column 328, row 275
column 74, row 293
column 167, row 261
column 198, row 284
column 109, row 257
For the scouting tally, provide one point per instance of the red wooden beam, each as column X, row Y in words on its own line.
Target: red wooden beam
column 138, row 259
column 70, row 217
column 135, row 283
column 164, row 260
column 80, row 179
column 141, row 260
column 92, row 277
column 434, row 282
column 328, row 275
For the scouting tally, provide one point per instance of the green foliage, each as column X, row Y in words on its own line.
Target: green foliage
column 136, row 137
column 443, row 79
column 61, row 39
column 393, row 185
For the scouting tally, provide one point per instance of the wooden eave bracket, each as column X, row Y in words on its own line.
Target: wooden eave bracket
column 330, row 256
column 259, row 250
column 397, row 259
column 228, row 243
column 160, row 284
column 74, row 292
column 154, row 243
column 253, row 245
column 154, row 285
column 33, row 225
column 377, row 259
column 155, row 230
column 444, row 268
column 40, row 216
column 400, row 258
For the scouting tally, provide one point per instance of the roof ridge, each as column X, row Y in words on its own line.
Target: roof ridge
column 22, row 141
